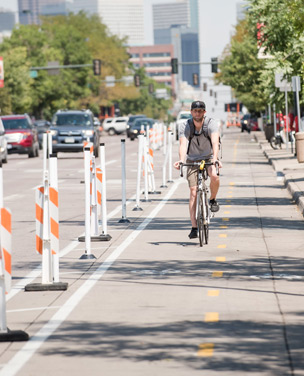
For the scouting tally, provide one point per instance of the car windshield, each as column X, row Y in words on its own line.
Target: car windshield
column 16, row 124
column 72, row 119
column 185, row 116
column 139, row 123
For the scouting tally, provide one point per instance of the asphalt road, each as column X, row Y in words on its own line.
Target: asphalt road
column 153, row 302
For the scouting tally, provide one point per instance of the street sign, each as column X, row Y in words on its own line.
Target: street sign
column 33, row 74
column 1, row 72
column 280, row 82
column 55, row 71
column 110, row 81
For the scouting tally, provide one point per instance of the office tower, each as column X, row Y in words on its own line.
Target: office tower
column 177, row 24
column 7, row 20
column 31, row 10
column 89, row 6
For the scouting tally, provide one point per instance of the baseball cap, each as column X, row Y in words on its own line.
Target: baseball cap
column 198, row 104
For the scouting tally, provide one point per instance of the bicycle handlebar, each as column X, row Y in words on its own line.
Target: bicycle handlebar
column 198, row 164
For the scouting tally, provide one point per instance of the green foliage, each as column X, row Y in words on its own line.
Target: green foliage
column 70, row 40
column 282, row 37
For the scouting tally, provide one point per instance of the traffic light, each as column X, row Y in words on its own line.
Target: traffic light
column 97, row 67
column 151, row 88
column 195, row 79
column 174, row 65
column 214, row 64
column 137, row 80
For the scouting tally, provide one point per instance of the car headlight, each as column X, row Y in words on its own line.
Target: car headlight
column 245, row 121
column 135, row 131
column 26, row 135
column 88, row 132
column 53, row 132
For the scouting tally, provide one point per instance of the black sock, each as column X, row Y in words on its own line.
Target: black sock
column 194, row 228
column 212, row 201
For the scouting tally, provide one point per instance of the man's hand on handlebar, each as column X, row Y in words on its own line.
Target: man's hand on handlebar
column 177, row 164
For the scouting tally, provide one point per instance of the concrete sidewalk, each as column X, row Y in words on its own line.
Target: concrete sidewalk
column 287, row 168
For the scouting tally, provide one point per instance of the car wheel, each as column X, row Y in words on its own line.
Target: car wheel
column 111, row 132
column 32, row 153
column 37, row 151
column 4, row 160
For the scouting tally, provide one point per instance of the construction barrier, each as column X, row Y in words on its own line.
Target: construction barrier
column 167, row 162
column 47, row 223
column 6, row 335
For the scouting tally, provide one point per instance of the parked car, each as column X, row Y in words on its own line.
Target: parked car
column 71, row 128
column 136, row 127
column 42, row 127
column 3, row 144
column 131, row 120
column 21, row 135
column 115, row 125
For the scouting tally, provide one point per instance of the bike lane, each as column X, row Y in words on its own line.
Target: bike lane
column 165, row 305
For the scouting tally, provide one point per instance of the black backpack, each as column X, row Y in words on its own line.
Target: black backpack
column 205, row 133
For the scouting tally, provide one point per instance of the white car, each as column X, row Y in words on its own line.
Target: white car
column 3, row 144
column 116, row 125
column 181, row 118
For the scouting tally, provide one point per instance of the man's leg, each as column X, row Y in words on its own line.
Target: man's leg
column 192, row 206
column 214, row 182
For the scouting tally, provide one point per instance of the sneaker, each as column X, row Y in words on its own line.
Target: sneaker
column 193, row 233
column 214, row 206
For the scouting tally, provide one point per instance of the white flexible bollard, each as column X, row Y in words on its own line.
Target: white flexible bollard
column 104, row 236
column 165, row 140
column 164, row 185
column 145, row 153
column 170, row 157
column 54, row 214
column 139, row 171
column 87, row 176
column 124, row 218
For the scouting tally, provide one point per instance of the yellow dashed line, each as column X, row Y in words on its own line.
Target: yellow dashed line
column 217, row 274
column 228, row 206
column 213, row 293
column 231, row 183
column 226, row 212
column 228, row 200
column 205, row 349
column 220, row 259
column 223, row 235
column 226, row 219
column 211, row 317
column 223, row 226
column 230, row 196
column 222, row 246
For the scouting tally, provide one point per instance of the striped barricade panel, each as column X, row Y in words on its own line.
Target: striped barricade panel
column 39, row 219
column 99, row 188
column 54, row 220
column 6, row 246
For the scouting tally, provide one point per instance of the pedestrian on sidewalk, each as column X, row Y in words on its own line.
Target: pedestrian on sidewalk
column 203, row 143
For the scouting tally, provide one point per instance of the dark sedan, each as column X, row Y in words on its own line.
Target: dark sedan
column 140, row 126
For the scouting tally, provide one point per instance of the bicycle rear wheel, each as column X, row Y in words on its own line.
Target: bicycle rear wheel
column 199, row 219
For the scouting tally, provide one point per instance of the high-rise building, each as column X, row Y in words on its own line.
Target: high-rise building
column 7, row 20
column 177, row 24
column 31, row 10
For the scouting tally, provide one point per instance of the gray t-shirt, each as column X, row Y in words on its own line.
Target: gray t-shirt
column 200, row 147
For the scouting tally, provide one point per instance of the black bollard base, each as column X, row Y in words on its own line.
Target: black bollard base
column 137, row 208
column 14, row 336
column 87, row 256
column 163, row 186
column 124, row 220
column 56, row 286
column 155, row 193
column 100, row 238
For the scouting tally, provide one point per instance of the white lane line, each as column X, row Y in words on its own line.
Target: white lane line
column 19, row 286
column 33, row 309
column 28, row 350
column 13, row 197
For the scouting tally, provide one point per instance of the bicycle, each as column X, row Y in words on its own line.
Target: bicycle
column 203, row 212
column 280, row 138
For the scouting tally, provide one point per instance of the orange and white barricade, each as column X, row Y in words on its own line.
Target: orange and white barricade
column 47, row 223
column 6, row 335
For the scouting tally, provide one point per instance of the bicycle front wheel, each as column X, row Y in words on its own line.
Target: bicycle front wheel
column 274, row 143
column 206, row 218
column 199, row 219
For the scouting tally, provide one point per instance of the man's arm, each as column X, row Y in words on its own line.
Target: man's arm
column 182, row 152
column 215, row 145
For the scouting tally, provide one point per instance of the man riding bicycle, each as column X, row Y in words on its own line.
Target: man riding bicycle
column 203, row 135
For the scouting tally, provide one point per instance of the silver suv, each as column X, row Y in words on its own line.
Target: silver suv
column 71, row 128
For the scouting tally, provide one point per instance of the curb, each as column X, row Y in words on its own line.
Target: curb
column 294, row 190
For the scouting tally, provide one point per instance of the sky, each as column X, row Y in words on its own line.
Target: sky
column 217, row 21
